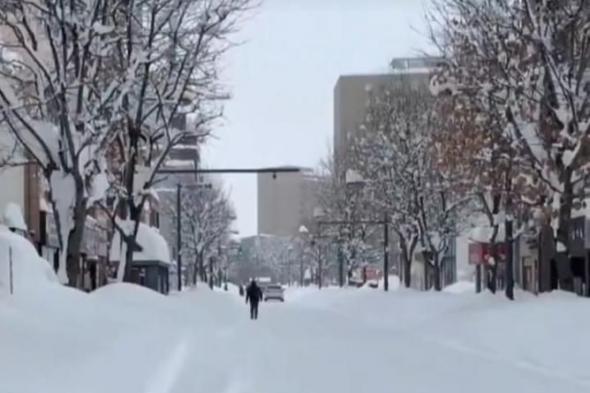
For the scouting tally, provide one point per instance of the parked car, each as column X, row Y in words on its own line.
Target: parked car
column 274, row 292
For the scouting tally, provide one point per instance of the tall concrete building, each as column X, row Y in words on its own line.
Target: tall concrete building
column 286, row 201
column 351, row 95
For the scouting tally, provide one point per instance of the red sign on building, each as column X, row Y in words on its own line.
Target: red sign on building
column 479, row 253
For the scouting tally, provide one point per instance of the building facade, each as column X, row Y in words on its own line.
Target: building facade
column 286, row 201
column 351, row 95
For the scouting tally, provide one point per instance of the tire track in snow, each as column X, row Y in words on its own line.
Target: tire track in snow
column 521, row 364
column 168, row 371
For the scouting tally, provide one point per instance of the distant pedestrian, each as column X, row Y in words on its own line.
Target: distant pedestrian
column 241, row 290
column 254, row 296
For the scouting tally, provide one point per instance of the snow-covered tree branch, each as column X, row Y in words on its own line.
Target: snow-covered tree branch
column 397, row 156
column 52, row 81
column 172, row 55
column 206, row 222
column 526, row 61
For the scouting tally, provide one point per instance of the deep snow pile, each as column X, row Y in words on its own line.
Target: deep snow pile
column 153, row 246
column 29, row 272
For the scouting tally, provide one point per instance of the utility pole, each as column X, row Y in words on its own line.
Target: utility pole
column 385, row 254
column 319, row 266
column 301, row 269
column 211, row 260
column 340, row 265
column 178, row 235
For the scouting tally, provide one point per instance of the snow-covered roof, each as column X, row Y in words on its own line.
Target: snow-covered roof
column 13, row 217
column 154, row 246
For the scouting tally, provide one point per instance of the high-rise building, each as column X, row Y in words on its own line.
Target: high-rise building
column 351, row 95
column 351, row 98
column 286, row 201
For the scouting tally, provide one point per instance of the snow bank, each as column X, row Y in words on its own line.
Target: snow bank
column 154, row 246
column 123, row 291
column 13, row 217
column 30, row 272
column 318, row 341
column 460, row 287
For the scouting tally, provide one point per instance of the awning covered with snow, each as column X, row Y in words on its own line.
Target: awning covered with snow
column 154, row 247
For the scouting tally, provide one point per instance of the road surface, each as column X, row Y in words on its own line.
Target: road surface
column 298, row 347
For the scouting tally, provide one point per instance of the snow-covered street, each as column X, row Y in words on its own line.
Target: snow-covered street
column 124, row 338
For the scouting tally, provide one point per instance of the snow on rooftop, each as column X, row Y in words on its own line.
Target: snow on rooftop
column 154, row 246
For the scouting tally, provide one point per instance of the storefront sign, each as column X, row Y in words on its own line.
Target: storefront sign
column 479, row 253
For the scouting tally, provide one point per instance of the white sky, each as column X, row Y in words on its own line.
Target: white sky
column 283, row 75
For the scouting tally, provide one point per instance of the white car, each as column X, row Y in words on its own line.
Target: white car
column 274, row 292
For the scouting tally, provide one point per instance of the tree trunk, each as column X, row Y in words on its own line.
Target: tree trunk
column 211, row 276
column 195, row 270
column 128, row 262
column 565, row 212
column 75, row 239
column 509, row 268
column 426, row 264
column 406, row 256
column 492, row 271
column 509, row 261
column 437, row 275
column 202, row 273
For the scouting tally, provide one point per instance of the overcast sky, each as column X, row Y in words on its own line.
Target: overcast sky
column 283, row 75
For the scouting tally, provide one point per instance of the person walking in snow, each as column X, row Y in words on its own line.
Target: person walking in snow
column 254, row 296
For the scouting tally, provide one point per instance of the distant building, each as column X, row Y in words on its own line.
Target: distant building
column 351, row 95
column 269, row 256
column 286, row 201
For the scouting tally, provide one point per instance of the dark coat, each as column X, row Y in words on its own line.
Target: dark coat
column 253, row 293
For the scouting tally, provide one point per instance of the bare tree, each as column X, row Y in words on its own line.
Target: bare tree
column 172, row 49
column 397, row 156
column 206, row 221
column 529, row 60
column 347, row 205
column 58, row 101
